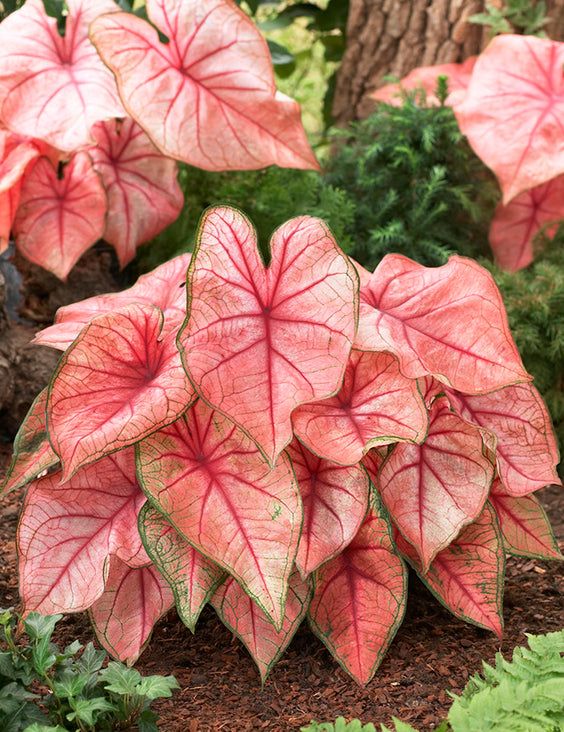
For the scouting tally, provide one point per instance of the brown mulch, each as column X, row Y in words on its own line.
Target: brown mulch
column 220, row 687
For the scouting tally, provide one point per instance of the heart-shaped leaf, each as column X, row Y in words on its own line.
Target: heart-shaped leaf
column 448, row 322
column 526, row 449
column 216, row 489
column 253, row 628
column 515, row 226
column 125, row 615
column 32, row 450
column 376, row 406
column 192, row 578
column 524, row 525
column 208, row 96
column 163, row 287
column 512, row 111
column 259, row 341
column 335, row 501
column 59, row 218
column 468, row 576
column 143, row 192
column 118, row 382
column 16, row 153
column 433, row 490
column 359, row 600
column 55, row 88
column 68, row 531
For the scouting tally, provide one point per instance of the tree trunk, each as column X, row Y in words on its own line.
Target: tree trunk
column 392, row 37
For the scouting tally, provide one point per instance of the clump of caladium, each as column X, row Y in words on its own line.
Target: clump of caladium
column 277, row 439
column 92, row 121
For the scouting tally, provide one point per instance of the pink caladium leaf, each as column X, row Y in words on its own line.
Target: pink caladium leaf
column 377, row 405
column 192, row 578
column 55, row 88
column 142, row 187
column 117, row 383
column 468, row 576
column 208, row 96
column 16, row 154
column 448, row 322
column 33, row 453
column 163, row 288
column 9, row 202
column 335, row 501
column 433, row 490
column 125, row 615
column 524, row 525
column 359, row 600
column 59, row 218
column 253, row 628
column 68, row 531
column 216, row 489
column 426, row 78
column 259, row 341
column 525, row 445
column 515, row 225
column 512, row 111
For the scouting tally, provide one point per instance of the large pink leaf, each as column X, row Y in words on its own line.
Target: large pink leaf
column 512, row 111
column 124, row 616
column 426, row 78
column 433, row 490
column 524, row 525
column 376, row 406
column 259, row 341
column 216, row 489
column 163, row 287
column 335, row 501
column 359, row 600
column 68, row 531
column 55, row 88
column 515, row 226
column 468, row 576
column 117, row 383
column 59, row 218
column 9, row 201
column 208, row 96
column 33, row 453
column 255, row 630
column 143, row 192
column 192, row 578
column 448, row 322
column 526, row 449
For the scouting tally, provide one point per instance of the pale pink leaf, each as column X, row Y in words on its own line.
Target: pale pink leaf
column 216, row 489
column 125, row 615
column 359, row 600
column 117, row 383
column 192, row 578
column 208, row 96
column 525, row 445
column 253, row 628
column 335, row 501
column 9, row 202
column 377, row 405
column 142, row 187
column 524, row 525
column 512, row 111
column 448, row 322
column 16, row 154
column 468, row 576
column 515, row 225
column 33, row 453
column 59, row 218
column 68, row 531
column 163, row 288
column 55, row 88
column 259, row 341
column 433, row 490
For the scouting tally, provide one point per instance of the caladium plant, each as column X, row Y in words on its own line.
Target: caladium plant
column 278, row 438
column 95, row 115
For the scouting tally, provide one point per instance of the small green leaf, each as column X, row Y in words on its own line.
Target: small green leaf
column 70, row 684
column 86, row 710
column 120, row 679
column 43, row 656
column 40, row 626
column 147, row 721
column 155, row 687
column 91, row 660
column 37, row 727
